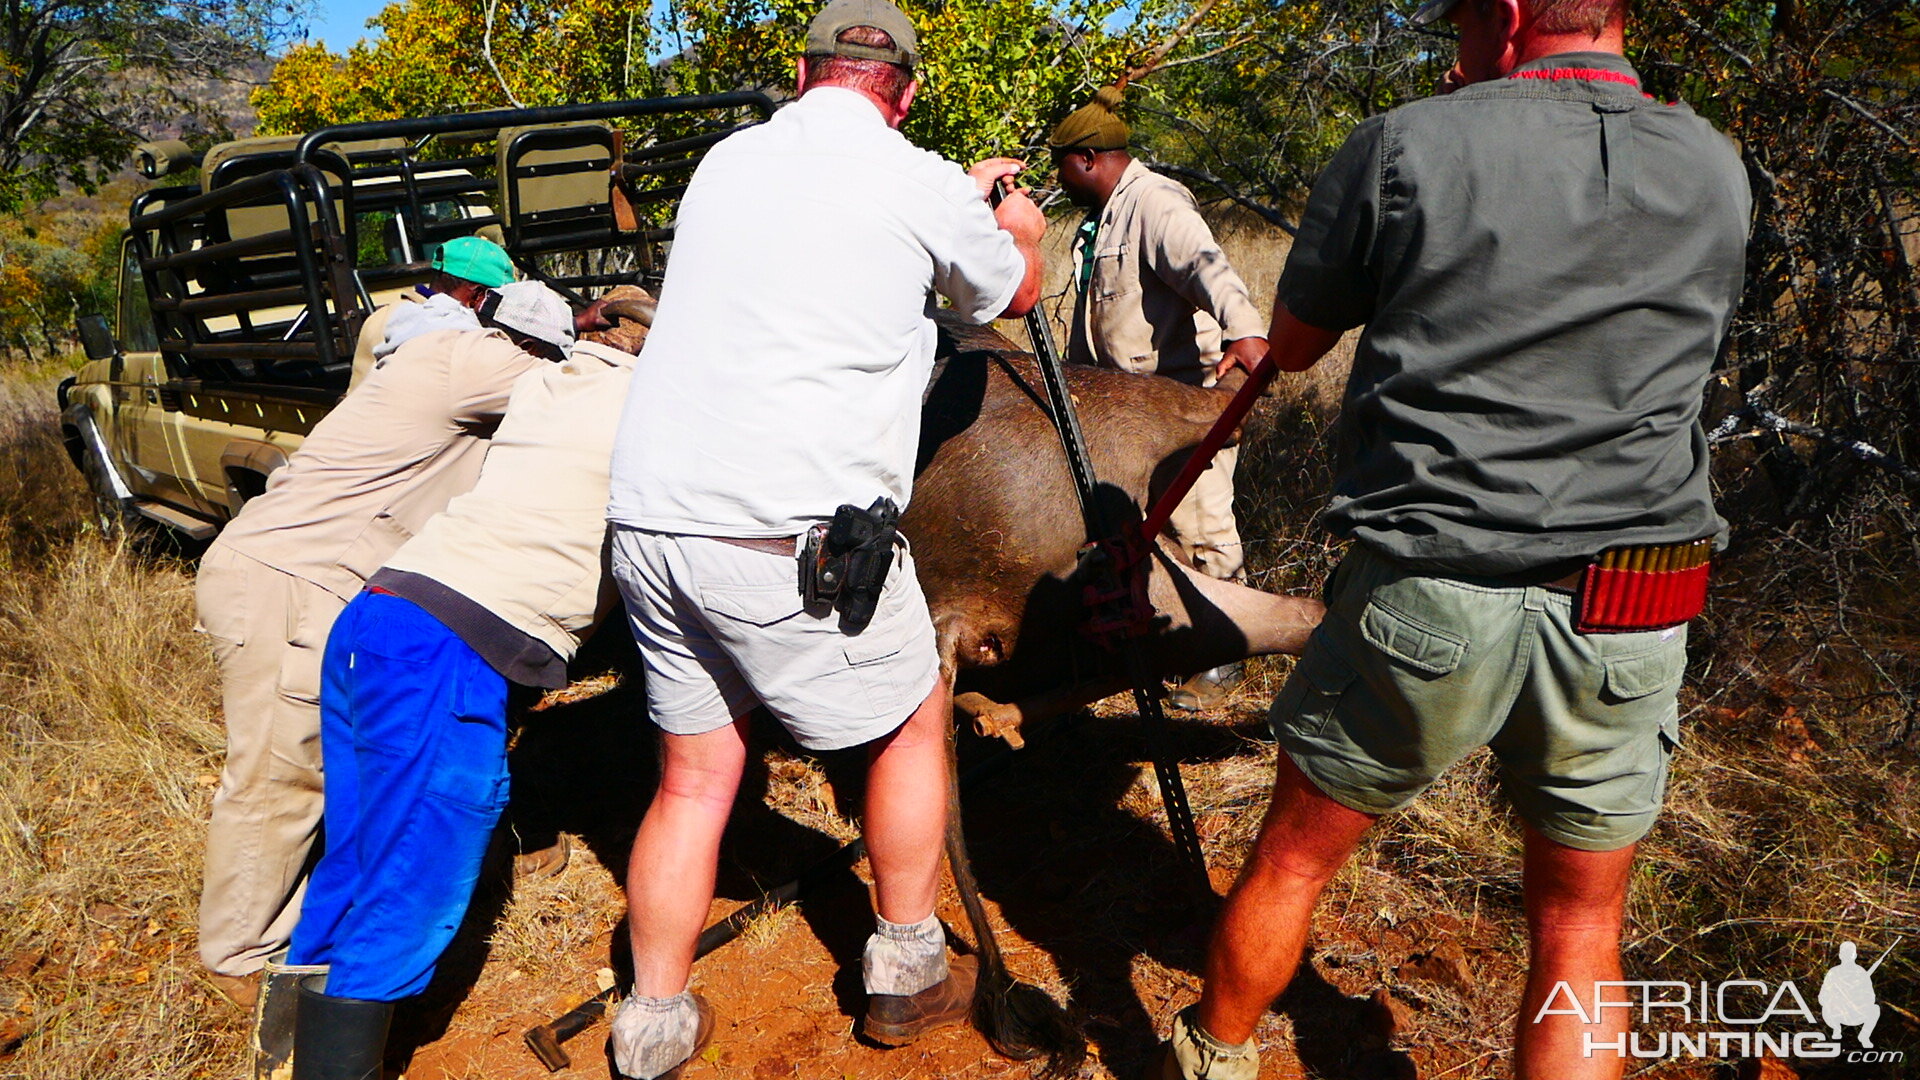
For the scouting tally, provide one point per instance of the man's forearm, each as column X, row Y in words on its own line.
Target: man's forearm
column 1295, row 345
column 1028, row 294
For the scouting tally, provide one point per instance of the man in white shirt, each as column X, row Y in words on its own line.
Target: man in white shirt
column 783, row 379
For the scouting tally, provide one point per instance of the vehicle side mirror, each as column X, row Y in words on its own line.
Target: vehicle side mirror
column 96, row 337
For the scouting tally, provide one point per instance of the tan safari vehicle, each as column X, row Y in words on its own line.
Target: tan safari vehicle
column 241, row 298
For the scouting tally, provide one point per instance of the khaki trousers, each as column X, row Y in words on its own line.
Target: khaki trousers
column 268, row 631
column 1203, row 522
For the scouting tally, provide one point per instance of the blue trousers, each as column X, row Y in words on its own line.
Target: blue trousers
column 413, row 736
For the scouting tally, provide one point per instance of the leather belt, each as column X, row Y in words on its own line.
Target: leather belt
column 1570, row 583
column 772, row 545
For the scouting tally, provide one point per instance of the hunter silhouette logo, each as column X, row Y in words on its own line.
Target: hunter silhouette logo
column 1733, row 1018
column 1846, row 995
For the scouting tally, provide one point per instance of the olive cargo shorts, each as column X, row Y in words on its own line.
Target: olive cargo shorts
column 1410, row 673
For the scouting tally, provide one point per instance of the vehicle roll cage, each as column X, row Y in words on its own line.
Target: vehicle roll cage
column 269, row 246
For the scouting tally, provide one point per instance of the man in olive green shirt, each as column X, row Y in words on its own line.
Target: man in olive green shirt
column 1545, row 261
column 1157, row 297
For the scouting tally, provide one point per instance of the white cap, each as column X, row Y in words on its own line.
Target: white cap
column 533, row 309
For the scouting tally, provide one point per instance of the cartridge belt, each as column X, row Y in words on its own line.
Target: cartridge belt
column 1643, row 587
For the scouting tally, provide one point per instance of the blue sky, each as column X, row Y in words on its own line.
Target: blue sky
column 340, row 23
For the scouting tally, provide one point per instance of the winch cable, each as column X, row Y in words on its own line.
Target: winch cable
column 1100, row 530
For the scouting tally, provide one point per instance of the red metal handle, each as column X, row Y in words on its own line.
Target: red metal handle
column 1237, row 409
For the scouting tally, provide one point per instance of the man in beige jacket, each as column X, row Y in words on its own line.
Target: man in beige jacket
column 1156, row 297
column 369, row 476
column 466, row 270
column 502, row 587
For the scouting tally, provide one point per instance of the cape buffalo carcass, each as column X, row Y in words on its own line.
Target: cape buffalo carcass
column 996, row 531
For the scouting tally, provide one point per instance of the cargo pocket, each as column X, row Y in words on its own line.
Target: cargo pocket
column 1308, row 700
column 755, row 605
column 391, row 701
column 872, row 662
column 1427, row 649
column 1107, row 283
column 1639, row 675
column 470, row 762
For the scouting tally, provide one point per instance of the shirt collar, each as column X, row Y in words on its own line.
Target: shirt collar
column 842, row 100
column 1135, row 170
column 1602, row 61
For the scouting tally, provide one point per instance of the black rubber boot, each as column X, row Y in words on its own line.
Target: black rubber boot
column 273, row 1016
column 338, row 1038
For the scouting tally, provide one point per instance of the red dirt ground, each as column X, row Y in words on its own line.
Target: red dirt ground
column 1079, row 879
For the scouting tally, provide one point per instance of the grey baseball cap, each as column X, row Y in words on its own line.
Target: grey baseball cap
column 839, row 16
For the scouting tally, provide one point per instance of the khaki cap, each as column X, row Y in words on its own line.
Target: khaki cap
column 839, row 16
column 1093, row 126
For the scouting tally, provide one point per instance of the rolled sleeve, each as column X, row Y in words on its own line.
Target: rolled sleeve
column 1329, row 279
column 976, row 264
column 1190, row 261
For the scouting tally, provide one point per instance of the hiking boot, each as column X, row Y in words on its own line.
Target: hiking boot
column 338, row 1038
column 277, row 994
column 898, row 1019
column 242, row 990
column 1207, row 689
column 546, row 863
column 702, row 1035
column 1192, row 1054
column 1162, row 1064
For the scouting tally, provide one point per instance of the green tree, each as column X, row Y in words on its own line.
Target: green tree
column 82, row 80
column 436, row 56
column 995, row 71
column 57, row 261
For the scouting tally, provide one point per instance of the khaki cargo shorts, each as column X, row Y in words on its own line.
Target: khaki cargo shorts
column 721, row 629
column 1410, row 673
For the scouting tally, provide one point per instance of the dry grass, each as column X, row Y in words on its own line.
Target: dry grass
column 107, row 758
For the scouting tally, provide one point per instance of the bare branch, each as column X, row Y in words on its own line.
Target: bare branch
column 486, row 49
column 1864, row 114
column 1755, row 419
column 1270, row 214
column 1154, row 60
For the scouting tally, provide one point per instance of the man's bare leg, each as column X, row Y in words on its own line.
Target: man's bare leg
column 1576, row 903
column 676, row 854
column 1263, row 926
column 906, row 812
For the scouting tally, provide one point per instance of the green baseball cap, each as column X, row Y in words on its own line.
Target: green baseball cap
column 470, row 258
column 839, row 16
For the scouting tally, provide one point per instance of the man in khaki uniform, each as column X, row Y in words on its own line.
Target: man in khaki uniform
column 465, row 270
column 502, row 587
column 383, row 462
column 1156, row 297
